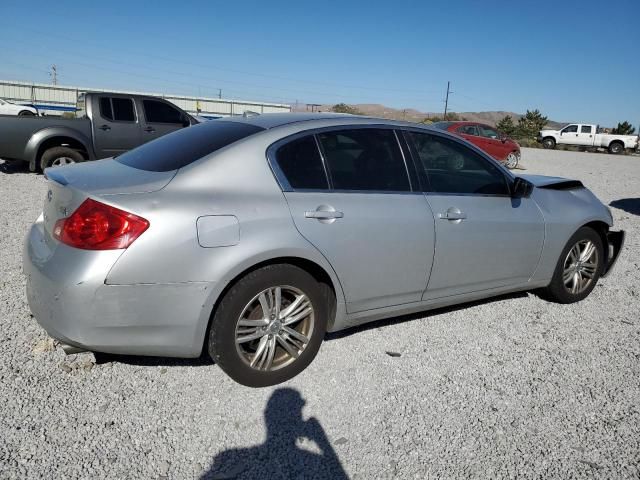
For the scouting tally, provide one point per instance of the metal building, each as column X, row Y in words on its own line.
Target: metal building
column 57, row 99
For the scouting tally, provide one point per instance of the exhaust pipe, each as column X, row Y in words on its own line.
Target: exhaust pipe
column 71, row 349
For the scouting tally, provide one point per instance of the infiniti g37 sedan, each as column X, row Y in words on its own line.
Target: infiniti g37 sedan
column 249, row 238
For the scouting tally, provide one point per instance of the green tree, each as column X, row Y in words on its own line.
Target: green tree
column 624, row 128
column 507, row 126
column 531, row 124
column 344, row 108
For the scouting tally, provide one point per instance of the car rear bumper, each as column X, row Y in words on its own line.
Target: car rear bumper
column 615, row 241
column 68, row 296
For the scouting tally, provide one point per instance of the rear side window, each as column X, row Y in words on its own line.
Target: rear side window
column 454, row 168
column 585, row 129
column 185, row 146
column 364, row 159
column 301, row 164
column 468, row 130
column 117, row 109
column 160, row 112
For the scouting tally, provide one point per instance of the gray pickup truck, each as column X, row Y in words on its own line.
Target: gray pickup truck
column 110, row 124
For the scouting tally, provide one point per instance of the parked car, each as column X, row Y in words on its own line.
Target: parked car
column 587, row 135
column 110, row 124
column 496, row 144
column 10, row 108
column 251, row 237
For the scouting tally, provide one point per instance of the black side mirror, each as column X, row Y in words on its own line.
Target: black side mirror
column 521, row 188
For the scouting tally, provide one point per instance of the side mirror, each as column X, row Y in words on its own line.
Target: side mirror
column 521, row 188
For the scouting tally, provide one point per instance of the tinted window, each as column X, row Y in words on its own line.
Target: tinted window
column 571, row 129
column 301, row 164
column 105, row 108
column 585, row 129
column 488, row 132
column 442, row 125
column 468, row 130
column 185, row 146
column 118, row 109
column 364, row 159
column 160, row 112
column 123, row 109
column 454, row 168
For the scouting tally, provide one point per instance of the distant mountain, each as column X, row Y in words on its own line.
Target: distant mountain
column 413, row 115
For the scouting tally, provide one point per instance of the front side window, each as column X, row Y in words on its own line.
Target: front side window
column 488, row 132
column 117, row 109
column 301, row 164
column 570, row 129
column 364, row 159
column 585, row 129
column 456, row 169
column 160, row 112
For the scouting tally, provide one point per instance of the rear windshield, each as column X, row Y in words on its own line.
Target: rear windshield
column 185, row 146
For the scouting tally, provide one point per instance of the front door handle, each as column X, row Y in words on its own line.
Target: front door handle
column 452, row 214
column 105, row 127
column 323, row 214
column 150, row 129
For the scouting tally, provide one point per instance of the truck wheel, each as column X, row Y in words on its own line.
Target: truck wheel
column 549, row 143
column 60, row 156
column 26, row 113
column 615, row 148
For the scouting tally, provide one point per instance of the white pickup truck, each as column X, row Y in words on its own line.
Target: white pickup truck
column 587, row 135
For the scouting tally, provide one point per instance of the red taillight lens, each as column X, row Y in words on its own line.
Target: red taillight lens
column 96, row 226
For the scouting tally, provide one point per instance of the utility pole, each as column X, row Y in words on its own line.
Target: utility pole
column 54, row 75
column 219, row 93
column 446, row 102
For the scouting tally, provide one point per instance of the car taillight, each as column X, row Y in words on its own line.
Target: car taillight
column 96, row 226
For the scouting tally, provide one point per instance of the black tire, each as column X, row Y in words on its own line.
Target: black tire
column 222, row 334
column 557, row 291
column 26, row 113
column 616, row 148
column 53, row 156
column 549, row 143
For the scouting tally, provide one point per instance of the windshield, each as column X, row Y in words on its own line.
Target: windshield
column 185, row 146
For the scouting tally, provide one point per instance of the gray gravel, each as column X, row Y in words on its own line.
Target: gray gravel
column 509, row 387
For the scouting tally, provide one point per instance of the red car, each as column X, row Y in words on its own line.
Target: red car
column 486, row 138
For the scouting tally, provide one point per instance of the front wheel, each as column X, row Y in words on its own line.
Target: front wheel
column 512, row 160
column 549, row 143
column 269, row 326
column 578, row 269
column 26, row 113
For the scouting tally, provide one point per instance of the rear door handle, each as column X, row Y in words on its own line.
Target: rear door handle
column 105, row 127
column 452, row 214
column 323, row 214
column 150, row 129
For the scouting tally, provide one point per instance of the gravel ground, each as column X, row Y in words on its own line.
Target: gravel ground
column 509, row 387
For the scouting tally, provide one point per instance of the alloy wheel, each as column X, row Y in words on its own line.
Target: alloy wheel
column 274, row 328
column 62, row 161
column 512, row 160
column 580, row 266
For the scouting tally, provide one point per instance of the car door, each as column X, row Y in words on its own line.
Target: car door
column 485, row 239
column 569, row 135
column 585, row 135
column 490, row 141
column 160, row 118
column 350, row 196
column 115, row 126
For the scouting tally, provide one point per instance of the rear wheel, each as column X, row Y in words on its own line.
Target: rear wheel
column 579, row 267
column 549, row 143
column 269, row 326
column 615, row 148
column 512, row 160
column 60, row 156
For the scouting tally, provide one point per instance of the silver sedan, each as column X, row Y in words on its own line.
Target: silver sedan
column 252, row 237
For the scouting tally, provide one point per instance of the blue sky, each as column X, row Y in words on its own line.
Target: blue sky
column 573, row 60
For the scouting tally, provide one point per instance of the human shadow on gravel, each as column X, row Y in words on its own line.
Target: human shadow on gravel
column 422, row 314
column 629, row 205
column 294, row 447
column 8, row 166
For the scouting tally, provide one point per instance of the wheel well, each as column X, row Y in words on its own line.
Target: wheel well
column 548, row 137
column 315, row 270
column 617, row 141
column 602, row 229
column 61, row 142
